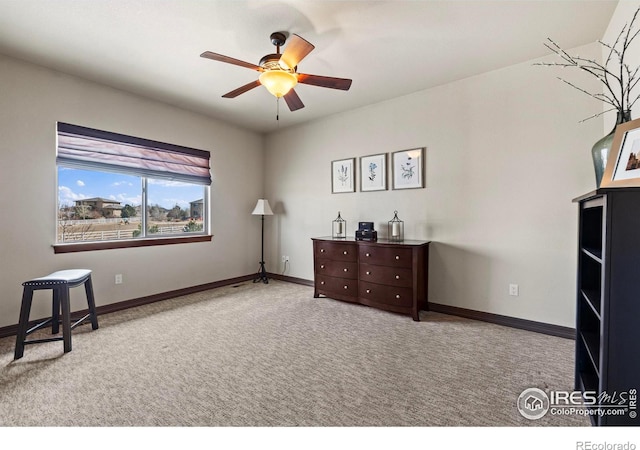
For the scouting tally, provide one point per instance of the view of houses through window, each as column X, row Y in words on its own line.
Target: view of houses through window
column 101, row 206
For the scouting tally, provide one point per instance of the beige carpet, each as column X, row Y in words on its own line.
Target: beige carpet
column 272, row 355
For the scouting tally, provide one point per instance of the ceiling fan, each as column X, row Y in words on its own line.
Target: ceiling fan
column 278, row 71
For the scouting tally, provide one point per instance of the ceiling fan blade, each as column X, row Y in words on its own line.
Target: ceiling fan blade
column 296, row 50
column 293, row 101
column 228, row 59
column 242, row 89
column 327, row 82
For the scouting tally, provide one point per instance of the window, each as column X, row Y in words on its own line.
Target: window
column 116, row 188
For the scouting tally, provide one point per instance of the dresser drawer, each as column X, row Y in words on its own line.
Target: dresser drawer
column 336, row 251
column 338, row 287
column 388, row 295
column 340, row 269
column 393, row 276
column 386, row 256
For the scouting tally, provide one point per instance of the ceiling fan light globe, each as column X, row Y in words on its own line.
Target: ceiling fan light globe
column 278, row 82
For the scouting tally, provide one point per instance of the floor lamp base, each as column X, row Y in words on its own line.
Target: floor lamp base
column 262, row 275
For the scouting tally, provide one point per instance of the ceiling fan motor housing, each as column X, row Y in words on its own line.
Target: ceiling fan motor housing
column 271, row 62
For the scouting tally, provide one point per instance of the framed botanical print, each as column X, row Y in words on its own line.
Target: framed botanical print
column 408, row 168
column 343, row 176
column 373, row 172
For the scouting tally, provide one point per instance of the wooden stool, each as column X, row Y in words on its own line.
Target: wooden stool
column 59, row 282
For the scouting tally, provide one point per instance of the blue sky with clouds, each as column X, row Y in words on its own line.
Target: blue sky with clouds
column 75, row 184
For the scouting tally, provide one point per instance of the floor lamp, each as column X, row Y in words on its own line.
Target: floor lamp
column 262, row 209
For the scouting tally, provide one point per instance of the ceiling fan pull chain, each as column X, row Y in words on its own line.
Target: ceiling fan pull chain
column 278, row 111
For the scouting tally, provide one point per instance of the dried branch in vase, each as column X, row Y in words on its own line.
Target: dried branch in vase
column 618, row 81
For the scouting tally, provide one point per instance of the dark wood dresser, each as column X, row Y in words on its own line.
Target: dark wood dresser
column 382, row 274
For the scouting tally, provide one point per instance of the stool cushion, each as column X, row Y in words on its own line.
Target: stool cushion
column 60, row 277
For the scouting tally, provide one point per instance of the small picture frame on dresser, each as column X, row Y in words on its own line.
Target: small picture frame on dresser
column 343, row 176
column 623, row 163
column 408, row 168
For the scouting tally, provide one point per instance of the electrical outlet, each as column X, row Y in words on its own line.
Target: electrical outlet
column 514, row 290
column 118, row 278
column 285, row 259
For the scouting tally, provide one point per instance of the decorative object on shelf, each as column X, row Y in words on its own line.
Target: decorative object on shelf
column 365, row 232
column 373, row 173
column 601, row 150
column 618, row 81
column 408, row 168
column 396, row 228
column 623, row 165
column 339, row 227
column 262, row 209
column 343, row 176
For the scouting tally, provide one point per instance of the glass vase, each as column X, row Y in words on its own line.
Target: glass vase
column 600, row 150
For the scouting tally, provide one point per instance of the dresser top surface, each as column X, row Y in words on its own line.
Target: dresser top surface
column 353, row 240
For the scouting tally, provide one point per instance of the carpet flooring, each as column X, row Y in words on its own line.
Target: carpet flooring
column 257, row 355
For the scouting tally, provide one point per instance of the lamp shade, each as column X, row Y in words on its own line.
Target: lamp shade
column 262, row 208
column 278, row 82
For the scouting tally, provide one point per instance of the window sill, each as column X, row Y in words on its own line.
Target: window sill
column 109, row 245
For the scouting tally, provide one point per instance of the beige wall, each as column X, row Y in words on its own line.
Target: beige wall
column 32, row 99
column 505, row 156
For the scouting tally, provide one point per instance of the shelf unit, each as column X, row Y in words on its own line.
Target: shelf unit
column 608, row 303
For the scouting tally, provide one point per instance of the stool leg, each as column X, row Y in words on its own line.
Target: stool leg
column 88, row 287
column 66, row 317
column 55, row 313
column 23, row 324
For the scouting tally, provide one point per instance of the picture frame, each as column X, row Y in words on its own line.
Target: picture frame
column 407, row 168
column 343, row 176
column 373, row 172
column 623, row 162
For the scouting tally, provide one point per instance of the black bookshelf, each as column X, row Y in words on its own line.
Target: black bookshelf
column 608, row 303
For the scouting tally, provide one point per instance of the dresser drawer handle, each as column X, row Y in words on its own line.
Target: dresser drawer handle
column 322, row 266
column 368, row 273
column 397, row 277
column 322, row 282
column 345, row 252
column 397, row 295
column 397, row 257
column 321, row 250
column 367, row 255
column 368, row 291
column 346, row 287
column 346, row 270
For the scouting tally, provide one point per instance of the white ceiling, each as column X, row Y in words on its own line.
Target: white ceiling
column 388, row 48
